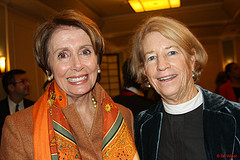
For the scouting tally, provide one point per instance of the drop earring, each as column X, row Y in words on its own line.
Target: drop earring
column 99, row 71
column 147, row 84
column 49, row 78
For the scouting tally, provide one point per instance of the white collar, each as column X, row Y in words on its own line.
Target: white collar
column 184, row 107
column 12, row 105
column 135, row 90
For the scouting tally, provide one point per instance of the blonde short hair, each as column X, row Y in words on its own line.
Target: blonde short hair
column 172, row 30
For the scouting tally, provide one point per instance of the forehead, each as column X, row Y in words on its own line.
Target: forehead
column 68, row 34
column 62, row 29
column 20, row 76
column 156, row 39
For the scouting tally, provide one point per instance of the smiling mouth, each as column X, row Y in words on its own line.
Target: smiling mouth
column 77, row 79
column 167, row 78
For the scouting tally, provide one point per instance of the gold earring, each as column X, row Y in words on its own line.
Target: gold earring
column 99, row 71
column 147, row 84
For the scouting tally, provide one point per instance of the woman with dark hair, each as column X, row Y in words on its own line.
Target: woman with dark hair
column 75, row 118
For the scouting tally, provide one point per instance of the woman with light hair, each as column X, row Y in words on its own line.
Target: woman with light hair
column 188, row 122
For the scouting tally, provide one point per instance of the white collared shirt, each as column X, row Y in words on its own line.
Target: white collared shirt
column 185, row 107
column 12, row 105
column 135, row 90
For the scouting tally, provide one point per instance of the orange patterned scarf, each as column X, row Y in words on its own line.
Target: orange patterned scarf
column 53, row 139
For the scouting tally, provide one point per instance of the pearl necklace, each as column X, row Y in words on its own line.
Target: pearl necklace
column 94, row 102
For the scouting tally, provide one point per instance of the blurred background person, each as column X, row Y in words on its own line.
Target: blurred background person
column 17, row 86
column 132, row 96
column 231, row 89
column 189, row 122
column 74, row 118
column 221, row 78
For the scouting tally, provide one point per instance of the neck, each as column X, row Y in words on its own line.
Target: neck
column 83, row 103
column 235, row 82
column 182, row 96
column 15, row 98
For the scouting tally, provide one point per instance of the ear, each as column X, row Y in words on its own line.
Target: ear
column 48, row 74
column 143, row 71
column 11, row 88
column 193, row 58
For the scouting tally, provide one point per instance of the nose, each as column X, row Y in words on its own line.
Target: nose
column 76, row 63
column 162, row 63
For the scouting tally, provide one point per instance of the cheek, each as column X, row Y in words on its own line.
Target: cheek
column 92, row 64
column 148, row 71
column 59, row 69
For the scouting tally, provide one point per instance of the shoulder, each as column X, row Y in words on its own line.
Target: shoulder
column 17, row 134
column 21, row 118
column 28, row 102
column 127, row 115
column 126, row 112
column 148, row 113
column 4, row 101
column 217, row 103
column 226, row 85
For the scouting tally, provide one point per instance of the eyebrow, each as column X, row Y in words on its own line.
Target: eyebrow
column 66, row 48
column 172, row 47
column 169, row 47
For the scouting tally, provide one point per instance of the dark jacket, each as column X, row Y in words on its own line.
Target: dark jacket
column 221, row 125
column 4, row 110
column 134, row 102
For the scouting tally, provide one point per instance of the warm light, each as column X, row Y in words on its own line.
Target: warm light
column 150, row 5
column 2, row 64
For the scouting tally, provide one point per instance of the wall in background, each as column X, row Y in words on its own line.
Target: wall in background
column 3, row 45
column 21, row 29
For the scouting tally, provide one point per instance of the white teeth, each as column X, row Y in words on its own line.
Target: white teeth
column 77, row 79
column 167, row 78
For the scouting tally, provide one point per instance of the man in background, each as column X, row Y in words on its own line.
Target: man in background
column 231, row 89
column 16, row 85
column 132, row 96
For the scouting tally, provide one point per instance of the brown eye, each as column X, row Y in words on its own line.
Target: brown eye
column 62, row 55
column 86, row 52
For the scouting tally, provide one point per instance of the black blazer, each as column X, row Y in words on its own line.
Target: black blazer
column 221, row 126
column 4, row 110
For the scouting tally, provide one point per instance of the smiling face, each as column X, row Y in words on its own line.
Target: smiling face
column 167, row 69
column 73, row 61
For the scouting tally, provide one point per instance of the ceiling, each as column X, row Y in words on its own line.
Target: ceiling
column 117, row 20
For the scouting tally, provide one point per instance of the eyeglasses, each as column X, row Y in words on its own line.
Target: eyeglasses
column 24, row 81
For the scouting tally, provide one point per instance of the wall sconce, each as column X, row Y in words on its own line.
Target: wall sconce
column 2, row 65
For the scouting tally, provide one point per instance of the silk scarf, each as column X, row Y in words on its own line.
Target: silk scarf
column 53, row 139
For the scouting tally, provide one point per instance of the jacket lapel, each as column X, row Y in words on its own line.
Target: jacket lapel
column 150, row 135
column 219, row 126
column 219, row 132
